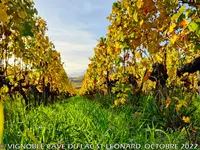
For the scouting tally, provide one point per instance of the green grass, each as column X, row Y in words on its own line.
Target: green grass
column 82, row 121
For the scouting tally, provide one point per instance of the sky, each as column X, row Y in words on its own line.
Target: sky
column 74, row 26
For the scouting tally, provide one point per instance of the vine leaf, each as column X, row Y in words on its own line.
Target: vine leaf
column 27, row 29
column 135, row 17
column 177, row 15
column 193, row 26
column 139, row 4
column 186, row 119
column 173, row 38
column 171, row 72
column 22, row 14
column 3, row 14
column 171, row 28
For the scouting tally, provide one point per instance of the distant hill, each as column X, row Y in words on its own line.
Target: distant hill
column 76, row 74
column 76, row 81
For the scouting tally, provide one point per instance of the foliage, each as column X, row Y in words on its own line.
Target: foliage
column 142, row 33
column 1, row 121
column 36, row 62
column 24, row 39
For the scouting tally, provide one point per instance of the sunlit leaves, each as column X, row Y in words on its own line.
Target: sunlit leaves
column 3, row 13
column 1, row 121
column 144, row 62
column 4, row 89
column 173, row 38
column 141, row 22
column 177, row 15
column 181, row 103
column 117, row 60
column 144, row 32
column 139, row 3
column 186, row 119
column 193, row 26
column 171, row 28
column 135, row 16
column 122, row 100
column 35, row 53
column 21, row 14
column 172, row 72
column 152, row 48
column 116, row 102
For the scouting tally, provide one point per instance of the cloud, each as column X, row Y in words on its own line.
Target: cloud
column 74, row 27
column 72, row 35
column 75, row 46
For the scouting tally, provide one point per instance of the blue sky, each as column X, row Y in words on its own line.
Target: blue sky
column 74, row 26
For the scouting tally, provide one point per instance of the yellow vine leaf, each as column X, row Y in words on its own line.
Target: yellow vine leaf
column 109, row 50
column 171, row 72
column 39, row 88
column 186, row 119
column 117, row 45
column 4, row 1
column 177, row 15
column 151, row 48
column 141, row 22
column 135, row 16
column 178, row 106
column 125, row 25
column 173, row 38
column 183, row 103
column 116, row 102
column 138, row 55
column 111, row 77
column 139, row 3
column 171, row 28
column 187, row 12
column 1, row 121
column 144, row 63
column 3, row 13
column 22, row 14
column 122, row 100
column 158, row 58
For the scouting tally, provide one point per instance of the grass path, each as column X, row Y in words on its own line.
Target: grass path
column 79, row 120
